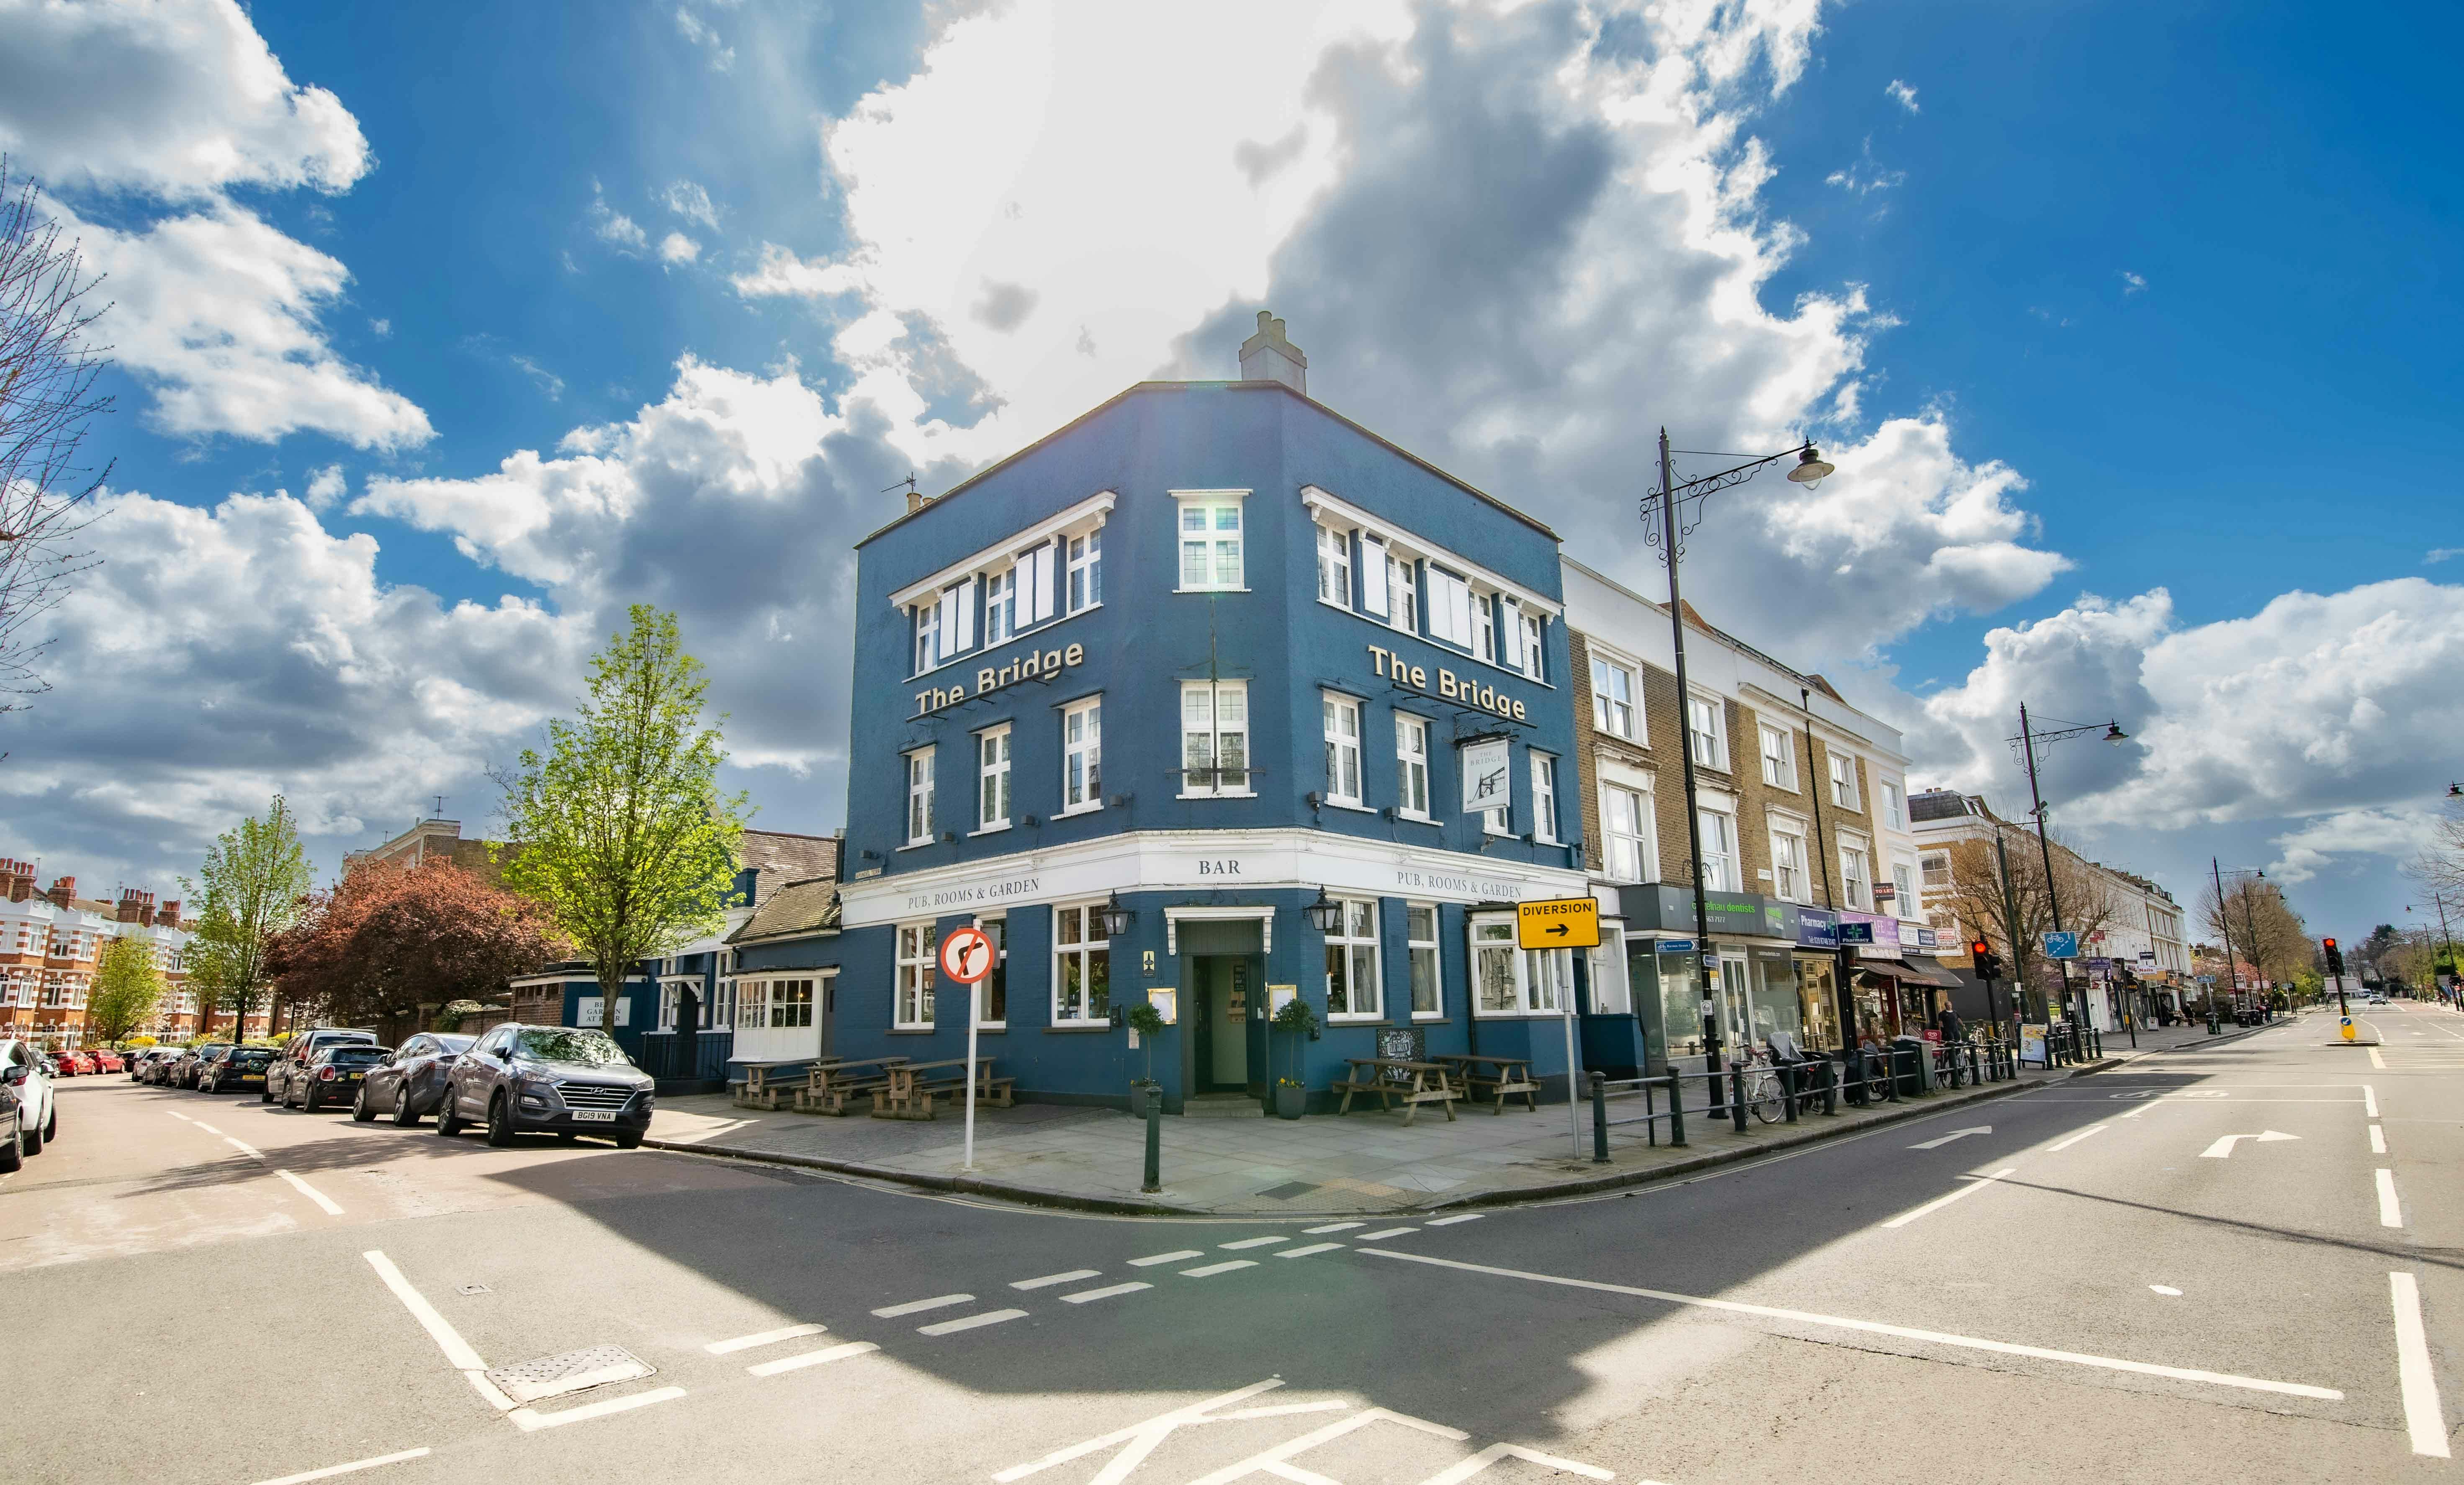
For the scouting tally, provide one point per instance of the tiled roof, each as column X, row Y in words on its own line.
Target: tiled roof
column 782, row 858
column 797, row 908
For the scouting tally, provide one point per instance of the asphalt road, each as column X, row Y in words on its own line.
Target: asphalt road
column 2105, row 1286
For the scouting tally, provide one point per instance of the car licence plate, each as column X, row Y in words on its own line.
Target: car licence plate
column 600, row 1116
column 251, row 1076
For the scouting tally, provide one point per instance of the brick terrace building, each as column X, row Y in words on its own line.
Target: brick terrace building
column 49, row 942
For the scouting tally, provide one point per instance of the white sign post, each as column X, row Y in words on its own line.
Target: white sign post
column 967, row 957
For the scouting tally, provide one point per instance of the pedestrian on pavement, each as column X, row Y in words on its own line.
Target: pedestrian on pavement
column 1946, row 1021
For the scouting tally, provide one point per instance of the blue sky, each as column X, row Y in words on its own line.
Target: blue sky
column 2093, row 301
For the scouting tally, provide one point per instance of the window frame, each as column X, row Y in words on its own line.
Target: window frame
column 790, row 1003
column 1544, row 797
column 993, row 778
column 1082, row 556
column 1788, row 828
column 1604, row 705
column 1333, row 550
column 1214, row 788
column 1717, row 737
column 1534, row 630
column 1894, row 804
column 1493, row 943
column 1844, row 794
column 1332, row 707
column 924, row 650
column 1403, row 590
column 1429, row 951
column 1608, row 962
column 920, row 825
column 1779, row 770
column 1345, row 948
column 1644, row 834
column 1090, row 748
column 1732, row 878
column 1212, row 540
column 1857, row 890
column 1001, row 605
column 1412, row 770
column 995, row 927
column 916, row 968
column 1088, row 916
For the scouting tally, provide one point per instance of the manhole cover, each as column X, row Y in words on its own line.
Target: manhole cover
column 568, row 1371
column 1289, row 1190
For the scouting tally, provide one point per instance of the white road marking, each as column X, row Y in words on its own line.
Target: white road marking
column 1464, row 1216
column 2390, row 1215
column 762, row 1338
column 1333, row 1227
column 1105, row 1293
column 1209, row 1270
column 1940, row 1202
column 183, row 1117
column 2423, row 1418
column 250, row 1150
column 1071, row 1277
column 2081, row 1135
column 458, row 1354
column 530, row 1422
column 2369, row 1102
column 2167, row 1289
column 1174, row 1257
column 1147, row 1434
column 312, row 1193
column 1305, row 1252
column 1274, row 1460
column 827, row 1353
column 202, row 1124
column 2378, row 1140
column 913, row 1306
column 1392, row 1232
column 1478, row 1462
column 1878, row 1327
column 950, row 1327
column 1254, row 1242
column 332, row 1470
column 2377, row 1060
column 1956, row 1134
column 2223, row 1148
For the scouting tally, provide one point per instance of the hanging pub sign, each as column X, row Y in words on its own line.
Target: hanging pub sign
column 1486, row 771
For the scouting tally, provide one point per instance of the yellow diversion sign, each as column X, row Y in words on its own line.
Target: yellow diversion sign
column 1560, row 923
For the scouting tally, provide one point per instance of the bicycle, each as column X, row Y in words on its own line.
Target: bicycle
column 1765, row 1092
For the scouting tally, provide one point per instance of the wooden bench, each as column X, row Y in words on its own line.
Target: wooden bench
column 835, row 1084
column 915, row 1091
column 1413, row 1083
column 767, row 1084
column 1512, row 1075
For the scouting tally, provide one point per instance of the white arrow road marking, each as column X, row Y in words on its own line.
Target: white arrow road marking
column 1955, row 1134
column 2223, row 1148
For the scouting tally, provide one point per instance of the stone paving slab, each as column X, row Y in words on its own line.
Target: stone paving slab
column 1326, row 1165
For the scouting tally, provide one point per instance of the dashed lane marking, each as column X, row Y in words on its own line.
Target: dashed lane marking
column 245, row 1149
column 762, row 1338
column 1209, row 1270
column 312, row 1193
column 822, row 1357
column 1878, row 1328
column 1392, row 1232
column 2378, row 1140
column 1333, row 1227
column 332, row 1470
column 918, row 1307
column 2369, row 1102
column 2075, row 1137
column 1108, row 1291
column 1461, row 1216
column 2423, row 1418
column 950, row 1327
column 1302, row 1253
column 1071, row 1277
column 1254, row 1242
column 1960, row 1194
column 1166, row 1258
column 2391, row 1212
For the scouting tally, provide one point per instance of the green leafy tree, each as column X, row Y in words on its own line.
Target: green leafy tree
column 254, row 882
column 127, row 988
column 623, row 835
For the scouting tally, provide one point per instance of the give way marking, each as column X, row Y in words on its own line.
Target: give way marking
column 1955, row 1134
column 2223, row 1148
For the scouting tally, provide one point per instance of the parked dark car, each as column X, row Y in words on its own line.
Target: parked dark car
column 207, row 1059
column 241, row 1070
column 183, row 1071
column 333, row 1075
column 291, row 1065
column 13, row 1131
column 559, row 1080
column 154, row 1062
column 411, row 1081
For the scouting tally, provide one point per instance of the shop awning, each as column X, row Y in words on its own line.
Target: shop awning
column 1925, row 970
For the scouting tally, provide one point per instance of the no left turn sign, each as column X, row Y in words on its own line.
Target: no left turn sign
column 967, row 956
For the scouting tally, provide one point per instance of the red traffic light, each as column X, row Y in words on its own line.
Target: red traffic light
column 1979, row 949
column 2331, row 945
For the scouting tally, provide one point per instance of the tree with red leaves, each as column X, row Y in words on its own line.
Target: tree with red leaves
column 388, row 943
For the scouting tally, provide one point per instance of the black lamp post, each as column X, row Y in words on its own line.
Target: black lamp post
column 1326, row 914
column 1115, row 918
column 2027, row 741
column 1664, row 503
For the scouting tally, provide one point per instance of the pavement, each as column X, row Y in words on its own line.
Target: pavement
column 1363, row 1162
column 2236, row 1261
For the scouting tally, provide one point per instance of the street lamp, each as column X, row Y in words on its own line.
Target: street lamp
column 1326, row 914
column 2027, row 740
column 1666, row 504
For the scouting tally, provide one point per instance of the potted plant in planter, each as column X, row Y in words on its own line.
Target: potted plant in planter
column 1290, row 1096
column 1148, row 1023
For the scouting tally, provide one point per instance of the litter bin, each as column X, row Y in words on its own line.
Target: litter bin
column 1912, row 1065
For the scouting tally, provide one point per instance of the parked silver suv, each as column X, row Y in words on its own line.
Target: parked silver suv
column 559, row 1080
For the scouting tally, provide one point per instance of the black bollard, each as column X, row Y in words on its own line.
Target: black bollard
column 1675, row 1109
column 1737, row 1095
column 1155, row 1138
column 1600, row 1119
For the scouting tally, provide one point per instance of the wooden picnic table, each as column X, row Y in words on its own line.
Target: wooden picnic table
column 835, row 1080
column 764, row 1086
column 1513, row 1074
column 1413, row 1083
column 911, row 1090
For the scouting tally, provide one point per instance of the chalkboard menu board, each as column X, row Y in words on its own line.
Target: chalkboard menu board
column 1403, row 1044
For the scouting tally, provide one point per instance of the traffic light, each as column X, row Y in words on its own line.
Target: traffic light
column 1988, row 962
column 2335, row 957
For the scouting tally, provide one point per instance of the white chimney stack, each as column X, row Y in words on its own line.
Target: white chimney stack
column 1267, row 357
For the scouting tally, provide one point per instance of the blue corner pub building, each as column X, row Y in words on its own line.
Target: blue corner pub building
column 1211, row 698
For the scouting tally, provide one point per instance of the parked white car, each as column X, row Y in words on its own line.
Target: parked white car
column 21, row 1064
